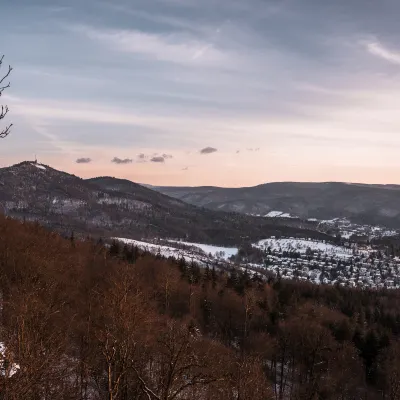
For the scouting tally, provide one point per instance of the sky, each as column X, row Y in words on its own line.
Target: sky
column 205, row 92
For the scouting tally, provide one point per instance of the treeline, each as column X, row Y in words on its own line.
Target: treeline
column 84, row 321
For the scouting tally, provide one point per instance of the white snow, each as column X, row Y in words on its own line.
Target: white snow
column 274, row 214
column 347, row 234
column 165, row 251
column 329, row 221
column 278, row 214
column 12, row 369
column 301, row 245
column 131, row 204
column 216, row 251
column 201, row 256
column 389, row 233
column 39, row 166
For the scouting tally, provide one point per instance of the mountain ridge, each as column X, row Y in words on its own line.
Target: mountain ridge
column 108, row 206
column 373, row 204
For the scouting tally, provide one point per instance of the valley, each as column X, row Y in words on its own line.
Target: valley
column 350, row 265
column 361, row 203
column 336, row 251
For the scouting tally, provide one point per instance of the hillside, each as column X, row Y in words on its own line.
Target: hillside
column 80, row 321
column 361, row 203
column 112, row 207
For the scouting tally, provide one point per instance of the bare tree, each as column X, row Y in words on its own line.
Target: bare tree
column 4, row 109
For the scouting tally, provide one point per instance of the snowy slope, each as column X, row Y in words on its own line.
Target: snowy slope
column 39, row 166
column 215, row 251
column 200, row 255
column 301, row 246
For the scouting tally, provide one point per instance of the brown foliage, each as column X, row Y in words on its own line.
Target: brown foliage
column 82, row 324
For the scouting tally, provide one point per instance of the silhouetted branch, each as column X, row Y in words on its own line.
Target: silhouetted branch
column 4, row 109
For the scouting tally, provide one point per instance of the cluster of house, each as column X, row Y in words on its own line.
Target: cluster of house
column 365, row 269
column 346, row 229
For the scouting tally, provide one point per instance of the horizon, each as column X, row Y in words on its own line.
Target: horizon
column 205, row 93
column 197, row 186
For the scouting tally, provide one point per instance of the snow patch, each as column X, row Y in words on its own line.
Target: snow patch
column 200, row 254
column 10, row 370
column 301, row 246
column 216, row 251
column 39, row 166
column 274, row 214
column 278, row 214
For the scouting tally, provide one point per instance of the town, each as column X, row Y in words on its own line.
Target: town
column 353, row 265
column 318, row 262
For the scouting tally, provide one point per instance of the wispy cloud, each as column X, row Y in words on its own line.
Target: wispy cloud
column 117, row 160
column 379, row 50
column 171, row 76
column 83, row 160
column 174, row 22
column 173, row 47
column 208, row 150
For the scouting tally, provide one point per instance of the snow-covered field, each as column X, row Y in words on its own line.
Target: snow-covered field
column 203, row 252
column 278, row 214
column 215, row 251
column 201, row 256
column 327, row 264
column 301, row 246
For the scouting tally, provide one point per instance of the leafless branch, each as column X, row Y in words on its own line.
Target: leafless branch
column 4, row 109
column 5, row 132
column 2, row 88
column 145, row 388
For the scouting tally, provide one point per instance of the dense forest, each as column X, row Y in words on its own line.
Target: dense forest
column 85, row 321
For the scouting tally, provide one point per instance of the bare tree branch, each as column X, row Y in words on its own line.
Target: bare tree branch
column 4, row 109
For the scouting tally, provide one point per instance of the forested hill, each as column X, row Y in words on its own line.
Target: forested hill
column 361, row 203
column 114, row 207
column 83, row 322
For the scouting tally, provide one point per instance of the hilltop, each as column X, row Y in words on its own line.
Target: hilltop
column 108, row 206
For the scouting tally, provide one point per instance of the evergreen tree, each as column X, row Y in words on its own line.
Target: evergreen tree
column 115, row 248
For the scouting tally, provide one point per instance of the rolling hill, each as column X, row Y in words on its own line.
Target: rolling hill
column 361, row 203
column 107, row 206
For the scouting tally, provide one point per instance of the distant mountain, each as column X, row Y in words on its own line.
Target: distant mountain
column 361, row 203
column 109, row 206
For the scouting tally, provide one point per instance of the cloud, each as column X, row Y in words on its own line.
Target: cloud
column 117, row 160
column 201, row 52
column 176, row 48
column 142, row 158
column 377, row 49
column 208, row 150
column 155, row 157
column 158, row 159
column 83, row 160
